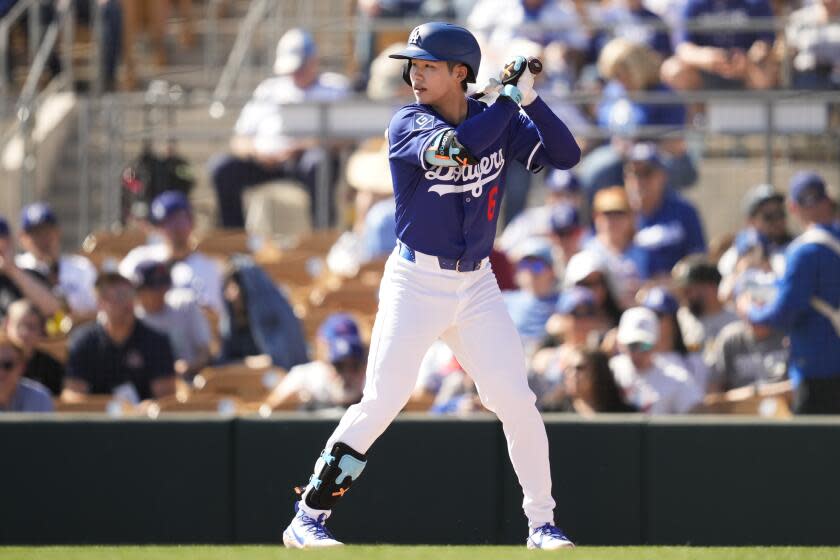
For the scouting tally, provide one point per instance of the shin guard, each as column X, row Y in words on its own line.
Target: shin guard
column 335, row 472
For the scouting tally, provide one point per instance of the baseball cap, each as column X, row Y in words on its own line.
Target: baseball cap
column 611, row 199
column 562, row 181
column 638, row 324
column 341, row 334
column 661, row 301
column 534, row 247
column 152, row 274
column 807, row 188
column 695, row 269
column 294, row 48
column 167, row 203
column 583, row 264
column 574, row 297
column 645, row 153
column 4, row 227
column 36, row 215
column 757, row 196
column 564, row 219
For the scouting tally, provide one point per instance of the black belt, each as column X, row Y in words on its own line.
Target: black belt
column 460, row 265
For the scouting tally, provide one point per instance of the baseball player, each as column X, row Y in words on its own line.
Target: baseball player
column 448, row 157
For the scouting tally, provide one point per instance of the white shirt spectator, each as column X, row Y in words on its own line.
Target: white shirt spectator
column 198, row 272
column 263, row 114
column 665, row 388
column 317, row 384
column 816, row 42
column 76, row 277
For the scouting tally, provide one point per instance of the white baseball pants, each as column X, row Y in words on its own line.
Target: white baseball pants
column 419, row 303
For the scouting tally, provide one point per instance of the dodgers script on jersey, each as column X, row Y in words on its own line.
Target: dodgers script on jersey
column 452, row 211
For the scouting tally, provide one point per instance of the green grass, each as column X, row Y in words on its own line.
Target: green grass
column 409, row 553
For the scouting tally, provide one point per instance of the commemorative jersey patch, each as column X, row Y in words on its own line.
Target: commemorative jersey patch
column 422, row 121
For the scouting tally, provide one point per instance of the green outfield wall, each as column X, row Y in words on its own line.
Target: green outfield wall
column 617, row 480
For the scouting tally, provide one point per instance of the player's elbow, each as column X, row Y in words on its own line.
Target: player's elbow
column 568, row 157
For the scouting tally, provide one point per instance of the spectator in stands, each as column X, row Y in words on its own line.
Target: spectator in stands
column 633, row 69
column 173, row 313
column 806, row 307
column 766, row 230
column 70, row 277
column 16, row 284
column 172, row 217
column 745, row 353
column 373, row 235
column 631, row 20
column 260, row 150
column 566, row 234
column 558, row 25
column 668, row 226
column 651, row 383
column 813, row 36
column 18, row 393
column 118, row 354
column 702, row 315
column 671, row 343
column 335, row 379
column 588, row 387
column 386, row 81
column 534, row 302
column 614, row 242
column 257, row 318
column 590, row 270
column 720, row 56
column 562, row 187
column 25, row 327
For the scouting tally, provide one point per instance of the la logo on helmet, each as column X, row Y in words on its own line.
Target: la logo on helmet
column 414, row 38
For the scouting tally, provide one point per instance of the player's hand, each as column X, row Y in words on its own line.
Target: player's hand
column 518, row 73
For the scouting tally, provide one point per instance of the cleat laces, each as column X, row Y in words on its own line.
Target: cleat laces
column 317, row 527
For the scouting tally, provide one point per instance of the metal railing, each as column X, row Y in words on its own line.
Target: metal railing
column 30, row 8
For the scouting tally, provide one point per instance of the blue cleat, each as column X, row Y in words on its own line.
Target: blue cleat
column 548, row 537
column 308, row 532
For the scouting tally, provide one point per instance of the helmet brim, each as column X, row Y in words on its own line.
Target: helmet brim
column 415, row 52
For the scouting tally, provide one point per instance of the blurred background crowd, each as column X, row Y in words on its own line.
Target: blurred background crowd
column 244, row 279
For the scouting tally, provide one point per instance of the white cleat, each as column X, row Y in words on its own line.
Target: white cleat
column 548, row 537
column 308, row 532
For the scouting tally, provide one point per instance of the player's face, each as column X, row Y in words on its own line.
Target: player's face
column 433, row 81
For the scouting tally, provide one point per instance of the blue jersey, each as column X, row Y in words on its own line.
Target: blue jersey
column 452, row 211
column 811, row 280
column 670, row 233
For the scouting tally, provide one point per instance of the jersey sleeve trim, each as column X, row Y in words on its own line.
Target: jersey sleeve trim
column 531, row 158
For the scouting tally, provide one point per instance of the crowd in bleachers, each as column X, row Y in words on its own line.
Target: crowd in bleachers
column 619, row 302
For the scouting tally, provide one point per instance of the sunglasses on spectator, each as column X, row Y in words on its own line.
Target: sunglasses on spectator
column 640, row 347
column 615, row 213
column 8, row 365
column 532, row 265
column 583, row 312
column 641, row 172
column 772, row 216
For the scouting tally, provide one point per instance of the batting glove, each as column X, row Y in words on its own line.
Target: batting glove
column 517, row 73
column 512, row 92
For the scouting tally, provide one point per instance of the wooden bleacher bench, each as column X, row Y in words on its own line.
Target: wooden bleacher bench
column 222, row 243
column 104, row 246
column 90, row 403
column 248, row 382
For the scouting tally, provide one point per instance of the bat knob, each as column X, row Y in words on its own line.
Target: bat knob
column 535, row 65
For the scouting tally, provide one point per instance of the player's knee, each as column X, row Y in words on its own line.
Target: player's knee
column 335, row 472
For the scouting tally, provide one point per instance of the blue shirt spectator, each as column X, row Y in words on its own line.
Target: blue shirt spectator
column 725, row 14
column 633, row 21
column 807, row 303
column 17, row 393
column 668, row 226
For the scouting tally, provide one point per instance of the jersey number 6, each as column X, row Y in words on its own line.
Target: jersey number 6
column 491, row 203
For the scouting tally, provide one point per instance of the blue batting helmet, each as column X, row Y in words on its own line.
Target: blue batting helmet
column 442, row 42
